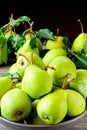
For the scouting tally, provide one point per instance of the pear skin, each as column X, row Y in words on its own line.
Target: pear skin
column 51, row 54
column 36, row 81
column 52, row 108
column 76, row 103
column 62, row 67
column 5, row 85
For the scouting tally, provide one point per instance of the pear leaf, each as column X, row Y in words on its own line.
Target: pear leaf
column 45, row 33
column 33, row 43
column 81, row 60
column 79, row 86
column 15, row 42
column 66, row 42
column 19, row 20
column 2, row 39
column 85, row 47
column 4, row 53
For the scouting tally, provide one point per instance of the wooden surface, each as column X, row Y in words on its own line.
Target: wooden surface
column 81, row 125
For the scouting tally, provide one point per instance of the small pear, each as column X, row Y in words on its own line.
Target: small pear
column 58, row 43
column 61, row 67
column 26, row 48
column 24, row 59
column 78, row 42
column 52, row 53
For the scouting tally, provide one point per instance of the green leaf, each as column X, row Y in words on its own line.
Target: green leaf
column 24, row 19
column 33, row 43
column 15, row 42
column 79, row 86
column 66, row 42
column 4, row 54
column 46, row 34
column 3, row 28
column 19, row 20
column 81, row 60
column 85, row 47
column 2, row 39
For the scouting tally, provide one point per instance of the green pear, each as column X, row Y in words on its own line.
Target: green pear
column 80, row 83
column 78, row 42
column 25, row 59
column 76, row 103
column 52, row 108
column 13, row 68
column 5, row 85
column 57, row 43
column 27, row 48
column 61, row 67
column 36, row 82
column 39, row 42
column 52, row 53
column 16, row 105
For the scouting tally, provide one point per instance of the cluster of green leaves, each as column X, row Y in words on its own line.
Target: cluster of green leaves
column 16, row 40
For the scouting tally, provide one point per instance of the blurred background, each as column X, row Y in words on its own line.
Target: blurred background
column 48, row 14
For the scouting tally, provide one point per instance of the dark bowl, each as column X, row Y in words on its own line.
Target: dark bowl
column 66, row 123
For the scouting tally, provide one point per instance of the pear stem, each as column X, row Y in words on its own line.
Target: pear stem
column 81, row 25
column 57, row 31
column 29, row 30
column 31, row 58
column 66, row 81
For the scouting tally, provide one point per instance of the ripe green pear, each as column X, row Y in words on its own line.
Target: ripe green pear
column 78, row 42
column 26, row 48
column 36, row 82
column 76, row 103
column 52, row 53
column 25, row 59
column 16, row 105
column 57, row 43
column 63, row 66
column 52, row 108
column 5, row 85
column 28, row 36
column 80, row 83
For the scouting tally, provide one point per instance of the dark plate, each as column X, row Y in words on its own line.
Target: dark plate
column 68, row 123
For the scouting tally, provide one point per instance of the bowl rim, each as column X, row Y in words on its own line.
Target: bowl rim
column 8, row 122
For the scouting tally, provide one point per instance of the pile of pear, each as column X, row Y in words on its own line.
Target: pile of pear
column 43, row 90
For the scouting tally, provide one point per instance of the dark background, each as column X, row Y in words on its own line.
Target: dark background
column 48, row 14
